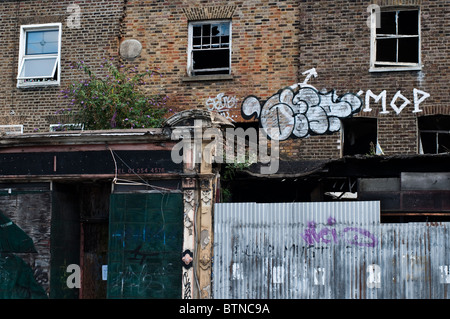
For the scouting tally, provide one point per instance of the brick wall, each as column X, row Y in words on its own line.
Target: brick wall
column 96, row 38
column 273, row 44
column 335, row 39
column 265, row 47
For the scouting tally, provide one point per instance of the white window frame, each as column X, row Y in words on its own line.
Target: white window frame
column 69, row 127
column 12, row 129
column 23, row 82
column 392, row 66
column 190, row 68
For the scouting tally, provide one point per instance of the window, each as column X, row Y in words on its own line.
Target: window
column 209, row 50
column 360, row 136
column 11, row 129
column 39, row 56
column 434, row 134
column 66, row 127
column 395, row 44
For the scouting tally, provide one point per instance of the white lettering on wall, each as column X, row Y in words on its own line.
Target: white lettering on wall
column 418, row 97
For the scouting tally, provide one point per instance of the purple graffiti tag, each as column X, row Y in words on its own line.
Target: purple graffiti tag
column 310, row 235
column 357, row 241
column 359, row 237
column 331, row 221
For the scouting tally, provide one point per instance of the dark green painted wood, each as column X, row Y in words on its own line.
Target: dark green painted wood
column 145, row 242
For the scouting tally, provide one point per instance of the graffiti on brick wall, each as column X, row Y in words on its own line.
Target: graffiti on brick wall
column 223, row 105
column 301, row 110
column 418, row 97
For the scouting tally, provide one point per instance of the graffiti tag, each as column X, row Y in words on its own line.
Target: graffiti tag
column 300, row 114
column 141, row 255
column 300, row 110
column 419, row 97
column 223, row 105
column 141, row 279
column 350, row 235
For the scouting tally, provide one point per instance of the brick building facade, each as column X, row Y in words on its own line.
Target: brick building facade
column 271, row 45
column 340, row 49
column 263, row 42
column 88, row 33
column 368, row 79
column 356, row 92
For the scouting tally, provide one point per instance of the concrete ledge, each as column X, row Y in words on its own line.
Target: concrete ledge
column 215, row 77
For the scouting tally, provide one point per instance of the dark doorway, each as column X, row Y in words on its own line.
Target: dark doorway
column 359, row 136
column 79, row 236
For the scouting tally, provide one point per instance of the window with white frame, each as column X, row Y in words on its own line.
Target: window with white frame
column 66, row 127
column 11, row 129
column 209, row 49
column 395, row 44
column 39, row 55
column 434, row 134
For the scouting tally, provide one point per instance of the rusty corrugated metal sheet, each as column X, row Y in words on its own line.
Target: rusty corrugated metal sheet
column 325, row 250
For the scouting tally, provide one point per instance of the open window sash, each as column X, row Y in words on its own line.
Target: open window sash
column 38, row 67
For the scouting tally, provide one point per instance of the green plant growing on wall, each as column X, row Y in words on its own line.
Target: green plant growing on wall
column 229, row 171
column 116, row 100
column 372, row 150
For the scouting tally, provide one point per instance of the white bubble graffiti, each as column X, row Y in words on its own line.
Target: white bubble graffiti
column 301, row 114
column 301, row 110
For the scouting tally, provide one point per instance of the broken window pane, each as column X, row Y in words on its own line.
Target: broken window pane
column 225, row 41
column 444, row 143
column 434, row 134
column 408, row 22
column 196, row 42
column 434, row 122
column 211, row 59
column 210, row 51
column 215, row 30
column 197, row 30
column 408, row 50
column 428, row 143
column 206, row 30
column 397, row 38
column 387, row 23
column 387, row 50
column 215, row 41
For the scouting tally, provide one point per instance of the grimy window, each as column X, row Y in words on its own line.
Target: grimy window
column 359, row 136
column 434, row 134
column 209, row 48
column 396, row 41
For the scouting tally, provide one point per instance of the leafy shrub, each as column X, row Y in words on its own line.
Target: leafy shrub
column 116, row 100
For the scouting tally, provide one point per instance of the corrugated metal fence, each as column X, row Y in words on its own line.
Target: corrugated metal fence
column 326, row 250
